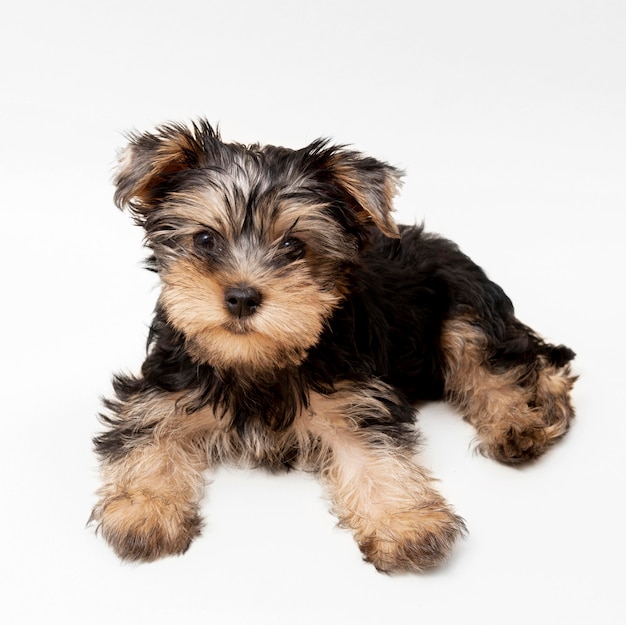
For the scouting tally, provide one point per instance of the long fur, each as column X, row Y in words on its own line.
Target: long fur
column 354, row 321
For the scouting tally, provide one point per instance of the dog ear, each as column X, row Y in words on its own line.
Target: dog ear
column 150, row 162
column 370, row 186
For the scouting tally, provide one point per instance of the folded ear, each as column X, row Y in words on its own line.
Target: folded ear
column 370, row 185
column 151, row 161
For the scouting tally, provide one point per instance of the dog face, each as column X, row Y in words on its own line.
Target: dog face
column 253, row 244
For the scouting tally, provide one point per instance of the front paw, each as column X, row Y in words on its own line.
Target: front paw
column 413, row 540
column 141, row 526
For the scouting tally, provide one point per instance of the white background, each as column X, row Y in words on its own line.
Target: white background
column 510, row 120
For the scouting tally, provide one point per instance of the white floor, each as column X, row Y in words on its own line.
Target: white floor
column 510, row 120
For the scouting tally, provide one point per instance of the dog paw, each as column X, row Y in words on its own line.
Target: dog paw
column 144, row 527
column 516, row 445
column 526, row 437
column 413, row 540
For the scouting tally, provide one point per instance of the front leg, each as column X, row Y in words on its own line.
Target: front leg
column 399, row 520
column 152, row 470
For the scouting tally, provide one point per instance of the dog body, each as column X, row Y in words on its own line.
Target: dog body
column 296, row 327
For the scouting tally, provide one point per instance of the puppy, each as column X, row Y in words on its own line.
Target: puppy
column 297, row 326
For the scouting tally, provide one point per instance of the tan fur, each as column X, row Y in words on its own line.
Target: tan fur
column 256, row 247
column 376, row 203
column 168, row 157
column 377, row 489
column 287, row 323
column 149, row 502
column 517, row 417
column 150, row 498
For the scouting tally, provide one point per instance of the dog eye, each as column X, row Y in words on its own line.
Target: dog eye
column 205, row 241
column 292, row 248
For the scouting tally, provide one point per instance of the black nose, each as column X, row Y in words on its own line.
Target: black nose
column 242, row 301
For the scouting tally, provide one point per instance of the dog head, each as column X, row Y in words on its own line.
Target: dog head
column 253, row 244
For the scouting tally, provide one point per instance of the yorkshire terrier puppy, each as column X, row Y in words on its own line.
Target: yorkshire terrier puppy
column 297, row 327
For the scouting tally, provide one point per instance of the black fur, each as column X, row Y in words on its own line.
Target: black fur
column 354, row 321
column 387, row 328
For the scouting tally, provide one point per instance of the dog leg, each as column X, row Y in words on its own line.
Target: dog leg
column 152, row 469
column 519, row 406
column 399, row 520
